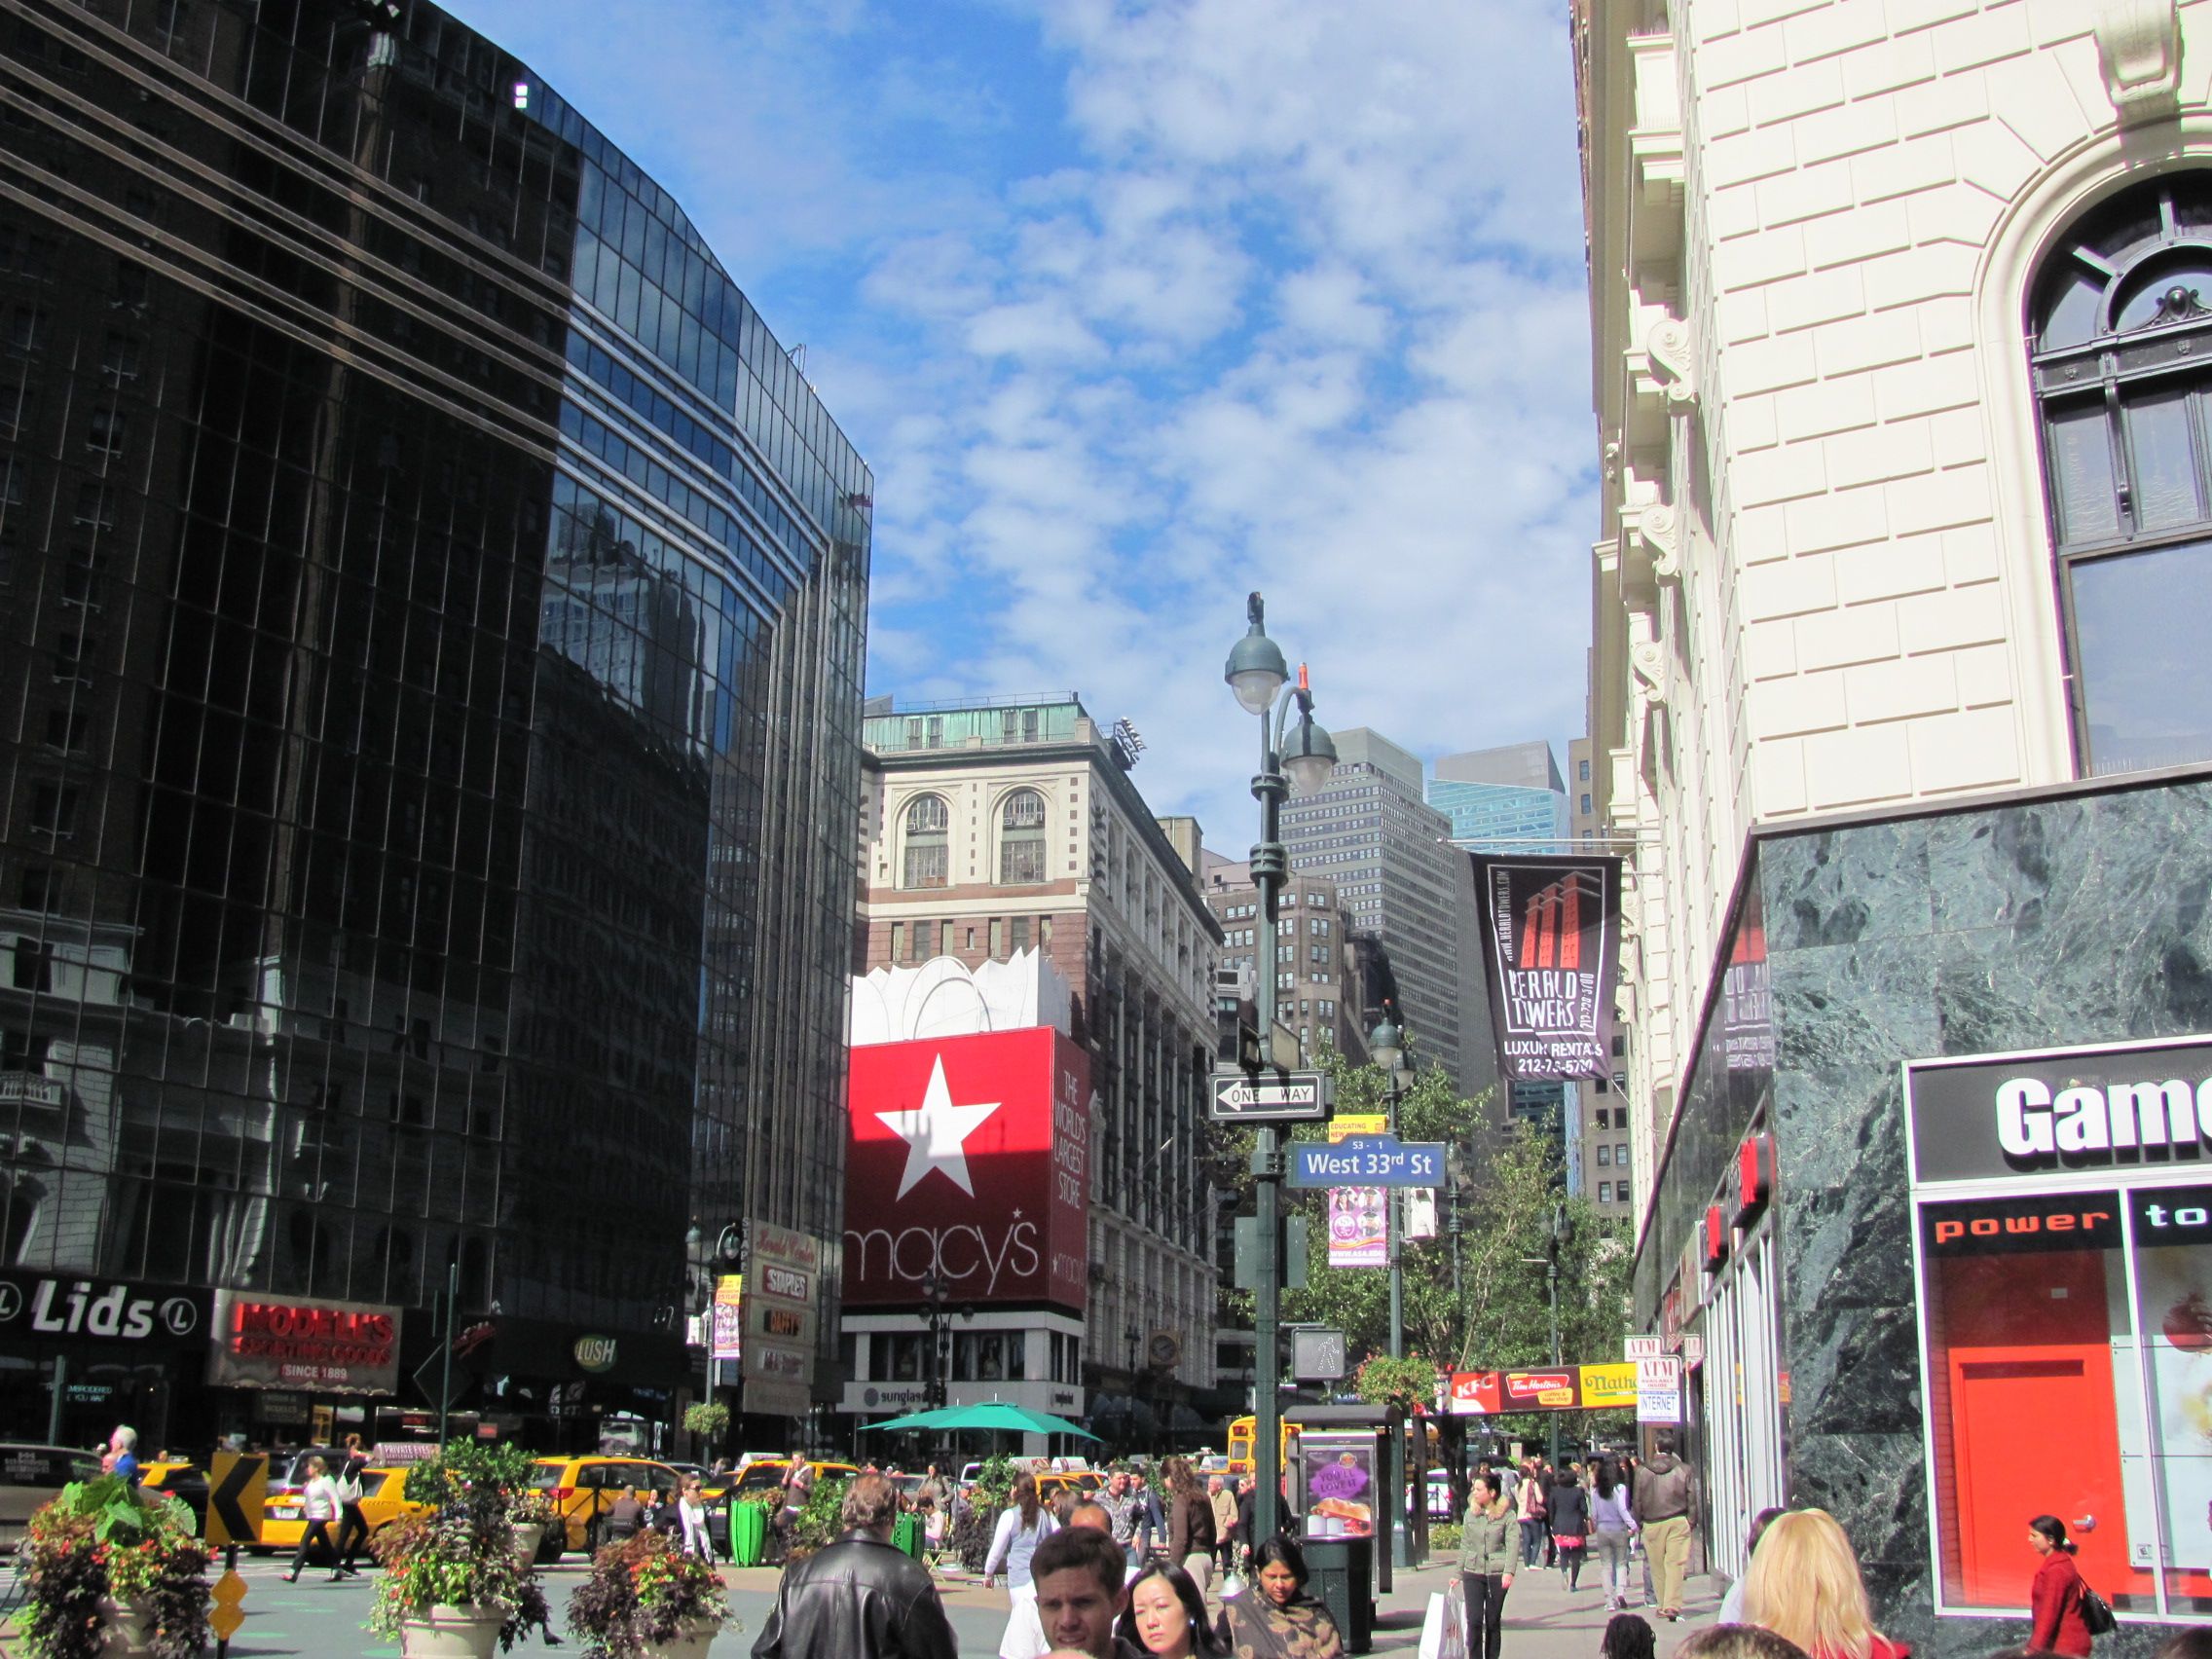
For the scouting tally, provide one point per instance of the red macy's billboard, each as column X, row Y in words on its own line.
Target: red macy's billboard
column 969, row 1158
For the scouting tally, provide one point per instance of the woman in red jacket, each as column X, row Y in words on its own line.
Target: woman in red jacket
column 2055, row 1596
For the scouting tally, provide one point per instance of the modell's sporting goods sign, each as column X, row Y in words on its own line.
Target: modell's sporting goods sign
column 340, row 1347
column 968, row 1165
column 1550, row 931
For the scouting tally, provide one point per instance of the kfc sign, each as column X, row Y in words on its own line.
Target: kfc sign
column 968, row 1159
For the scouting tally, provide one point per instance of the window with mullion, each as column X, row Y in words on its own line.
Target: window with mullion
column 2122, row 358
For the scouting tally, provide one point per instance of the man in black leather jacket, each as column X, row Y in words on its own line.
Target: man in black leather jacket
column 860, row 1596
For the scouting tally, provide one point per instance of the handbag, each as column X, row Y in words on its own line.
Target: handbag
column 2096, row 1613
column 1568, row 1540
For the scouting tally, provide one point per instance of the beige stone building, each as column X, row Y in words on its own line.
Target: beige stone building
column 1901, row 315
column 990, row 829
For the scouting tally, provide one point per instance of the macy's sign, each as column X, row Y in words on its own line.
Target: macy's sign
column 957, row 1255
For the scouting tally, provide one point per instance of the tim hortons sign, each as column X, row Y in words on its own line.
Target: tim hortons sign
column 968, row 1159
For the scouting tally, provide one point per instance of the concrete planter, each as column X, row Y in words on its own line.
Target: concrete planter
column 452, row 1633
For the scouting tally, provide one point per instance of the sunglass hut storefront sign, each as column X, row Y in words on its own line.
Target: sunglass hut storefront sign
column 345, row 1348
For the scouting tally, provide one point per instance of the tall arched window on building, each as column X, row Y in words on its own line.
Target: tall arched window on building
column 2121, row 341
column 1021, row 838
column 927, row 857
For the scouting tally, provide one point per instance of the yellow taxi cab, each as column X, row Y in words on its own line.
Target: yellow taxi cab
column 1051, row 1483
column 185, row 1481
column 582, row 1488
column 764, row 1472
column 383, row 1500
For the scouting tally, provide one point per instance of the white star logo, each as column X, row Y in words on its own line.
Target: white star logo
column 937, row 1134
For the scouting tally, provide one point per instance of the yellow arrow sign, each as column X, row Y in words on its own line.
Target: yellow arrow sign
column 230, row 1605
column 238, row 1482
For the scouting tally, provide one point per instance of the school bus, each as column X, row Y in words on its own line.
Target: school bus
column 1240, row 1432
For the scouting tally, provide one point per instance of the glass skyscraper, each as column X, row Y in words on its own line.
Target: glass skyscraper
column 431, row 753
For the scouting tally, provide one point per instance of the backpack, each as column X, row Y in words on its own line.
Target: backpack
column 2096, row 1612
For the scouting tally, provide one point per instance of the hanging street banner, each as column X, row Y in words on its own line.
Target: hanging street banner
column 1358, row 1236
column 1550, row 934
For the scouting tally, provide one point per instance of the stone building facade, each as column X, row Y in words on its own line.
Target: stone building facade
column 1898, row 309
column 991, row 828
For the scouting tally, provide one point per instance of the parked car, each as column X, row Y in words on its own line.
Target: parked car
column 769, row 1473
column 30, row 1475
column 383, row 1500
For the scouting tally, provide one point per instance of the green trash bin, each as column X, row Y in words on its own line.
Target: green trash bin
column 748, row 1534
column 906, row 1534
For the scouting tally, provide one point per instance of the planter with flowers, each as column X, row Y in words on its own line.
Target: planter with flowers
column 454, row 1586
column 646, row 1599
column 110, row 1569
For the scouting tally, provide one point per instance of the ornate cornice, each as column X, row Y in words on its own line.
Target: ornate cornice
column 2138, row 51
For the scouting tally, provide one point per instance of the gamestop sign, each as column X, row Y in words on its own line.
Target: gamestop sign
column 2062, row 1112
column 968, row 1159
column 341, row 1348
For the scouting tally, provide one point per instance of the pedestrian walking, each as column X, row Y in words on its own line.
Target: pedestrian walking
column 319, row 1509
column 1627, row 1635
column 1081, row 1591
column 1613, row 1525
column 1152, row 1520
column 859, row 1597
column 1023, row 1525
column 1732, row 1603
column 1529, row 1506
column 691, row 1528
column 797, row 1488
column 1804, row 1585
column 1166, row 1616
column 2055, row 1596
column 353, row 1524
column 122, row 1455
column 1226, row 1536
column 1247, row 1500
column 1190, row 1522
column 1570, row 1522
column 1486, row 1565
column 1664, row 1499
column 1277, row 1619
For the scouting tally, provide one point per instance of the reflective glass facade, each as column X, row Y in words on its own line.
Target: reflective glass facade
column 435, row 607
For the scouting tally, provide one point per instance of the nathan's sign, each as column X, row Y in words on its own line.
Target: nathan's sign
column 1550, row 939
column 968, row 1165
column 2127, row 1106
column 343, row 1347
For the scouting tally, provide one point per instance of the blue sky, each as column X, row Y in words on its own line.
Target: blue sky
column 1135, row 307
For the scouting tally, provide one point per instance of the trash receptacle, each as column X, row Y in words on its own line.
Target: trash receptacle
column 748, row 1534
column 1343, row 1580
column 906, row 1534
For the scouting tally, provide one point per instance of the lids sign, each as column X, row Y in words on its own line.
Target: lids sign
column 104, row 1310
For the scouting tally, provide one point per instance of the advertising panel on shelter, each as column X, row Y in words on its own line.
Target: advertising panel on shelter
column 1550, row 939
column 2063, row 1243
column 968, row 1162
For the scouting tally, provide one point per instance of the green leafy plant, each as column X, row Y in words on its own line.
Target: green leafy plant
column 1385, row 1381
column 1443, row 1537
column 709, row 1419
column 458, row 1553
column 822, row 1520
column 503, row 1465
column 644, row 1591
column 110, row 1538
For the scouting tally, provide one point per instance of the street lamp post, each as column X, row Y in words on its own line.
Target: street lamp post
column 936, row 1294
column 1258, row 674
column 1385, row 1045
column 1552, row 1247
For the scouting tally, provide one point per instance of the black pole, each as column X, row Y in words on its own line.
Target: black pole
column 229, row 1565
column 445, row 1388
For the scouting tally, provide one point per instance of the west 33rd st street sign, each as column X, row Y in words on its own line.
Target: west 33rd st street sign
column 1369, row 1161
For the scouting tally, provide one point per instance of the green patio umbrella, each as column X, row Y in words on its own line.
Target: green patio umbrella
column 989, row 1414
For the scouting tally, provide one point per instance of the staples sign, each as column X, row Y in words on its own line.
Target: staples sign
column 969, row 1158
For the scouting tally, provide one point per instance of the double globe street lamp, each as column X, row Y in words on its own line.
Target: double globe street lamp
column 1293, row 760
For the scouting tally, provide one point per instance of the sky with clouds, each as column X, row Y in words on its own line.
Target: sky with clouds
column 1135, row 307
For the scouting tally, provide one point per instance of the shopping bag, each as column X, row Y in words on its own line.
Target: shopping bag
column 1443, row 1629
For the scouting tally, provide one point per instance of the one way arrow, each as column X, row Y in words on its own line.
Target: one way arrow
column 237, row 1484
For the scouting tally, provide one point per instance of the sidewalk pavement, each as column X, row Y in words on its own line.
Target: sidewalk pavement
column 1543, row 1619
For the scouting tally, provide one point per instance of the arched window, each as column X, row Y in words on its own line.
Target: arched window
column 928, row 857
column 1021, row 838
column 2120, row 343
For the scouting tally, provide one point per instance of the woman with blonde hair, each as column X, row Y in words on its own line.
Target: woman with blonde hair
column 1803, row 1584
column 1023, row 1524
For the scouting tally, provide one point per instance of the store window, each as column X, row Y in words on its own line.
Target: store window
column 2063, row 1230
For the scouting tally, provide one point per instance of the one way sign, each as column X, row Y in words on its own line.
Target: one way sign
column 238, row 1482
